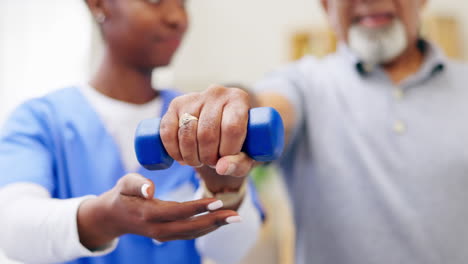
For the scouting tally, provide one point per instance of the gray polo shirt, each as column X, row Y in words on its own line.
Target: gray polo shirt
column 377, row 173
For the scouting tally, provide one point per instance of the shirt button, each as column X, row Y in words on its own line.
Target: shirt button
column 398, row 93
column 399, row 127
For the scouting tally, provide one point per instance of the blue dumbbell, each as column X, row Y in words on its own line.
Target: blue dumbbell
column 264, row 141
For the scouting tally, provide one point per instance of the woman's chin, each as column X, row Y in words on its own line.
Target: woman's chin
column 162, row 63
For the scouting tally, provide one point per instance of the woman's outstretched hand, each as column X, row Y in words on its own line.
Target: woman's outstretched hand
column 129, row 208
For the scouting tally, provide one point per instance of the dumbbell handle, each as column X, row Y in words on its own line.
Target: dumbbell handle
column 264, row 141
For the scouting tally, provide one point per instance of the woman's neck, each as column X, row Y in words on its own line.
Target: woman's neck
column 120, row 81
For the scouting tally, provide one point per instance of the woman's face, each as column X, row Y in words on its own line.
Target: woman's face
column 144, row 33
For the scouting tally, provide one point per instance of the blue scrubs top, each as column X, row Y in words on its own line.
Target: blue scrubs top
column 59, row 142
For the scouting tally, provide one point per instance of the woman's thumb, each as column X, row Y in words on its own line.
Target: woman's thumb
column 134, row 184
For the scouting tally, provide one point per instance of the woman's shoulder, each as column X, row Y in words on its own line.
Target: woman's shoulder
column 64, row 95
column 60, row 96
column 50, row 107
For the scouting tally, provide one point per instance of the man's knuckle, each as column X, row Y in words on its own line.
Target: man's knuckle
column 208, row 159
column 165, row 130
column 239, row 93
column 185, row 137
column 207, row 135
column 234, row 130
column 176, row 102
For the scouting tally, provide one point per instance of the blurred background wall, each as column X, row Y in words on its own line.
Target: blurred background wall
column 48, row 44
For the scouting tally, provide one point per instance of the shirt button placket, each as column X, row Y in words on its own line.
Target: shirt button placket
column 399, row 127
column 398, row 93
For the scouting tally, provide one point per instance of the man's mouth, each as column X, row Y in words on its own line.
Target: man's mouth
column 375, row 20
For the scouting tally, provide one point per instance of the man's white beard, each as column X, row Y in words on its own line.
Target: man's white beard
column 378, row 46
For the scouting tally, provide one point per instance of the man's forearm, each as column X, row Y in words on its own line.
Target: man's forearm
column 284, row 108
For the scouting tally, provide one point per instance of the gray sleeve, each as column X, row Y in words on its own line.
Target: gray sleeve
column 289, row 83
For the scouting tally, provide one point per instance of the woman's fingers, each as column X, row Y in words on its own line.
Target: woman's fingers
column 193, row 227
column 166, row 211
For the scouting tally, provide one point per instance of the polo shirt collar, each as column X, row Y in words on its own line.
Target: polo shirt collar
column 434, row 61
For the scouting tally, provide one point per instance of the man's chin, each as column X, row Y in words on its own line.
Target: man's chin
column 378, row 45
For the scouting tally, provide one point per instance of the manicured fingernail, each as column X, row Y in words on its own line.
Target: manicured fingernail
column 157, row 243
column 144, row 190
column 230, row 170
column 215, row 205
column 234, row 219
column 213, row 167
column 199, row 166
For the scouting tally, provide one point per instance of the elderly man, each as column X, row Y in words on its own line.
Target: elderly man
column 377, row 156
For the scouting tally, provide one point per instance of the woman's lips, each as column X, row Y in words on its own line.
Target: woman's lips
column 375, row 20
column 171, row 42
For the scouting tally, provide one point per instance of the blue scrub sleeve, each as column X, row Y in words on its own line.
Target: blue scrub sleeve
column 25, row 147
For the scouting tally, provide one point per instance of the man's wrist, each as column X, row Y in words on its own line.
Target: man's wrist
column 230, row 198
